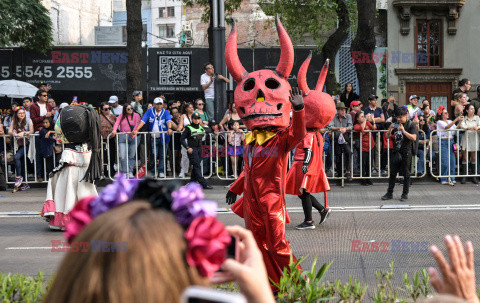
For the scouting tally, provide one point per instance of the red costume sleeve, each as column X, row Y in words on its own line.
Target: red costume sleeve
column 308, row 140
column 297, row 130
column 237, row 186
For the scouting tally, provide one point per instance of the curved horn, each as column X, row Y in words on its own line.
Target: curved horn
column 323, row 76
column 234, row 66
column 302, row 75
column 285, row 65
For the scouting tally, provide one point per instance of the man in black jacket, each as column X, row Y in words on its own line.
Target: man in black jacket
column 191, row 139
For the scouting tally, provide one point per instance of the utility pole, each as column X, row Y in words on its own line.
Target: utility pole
column 218, row 30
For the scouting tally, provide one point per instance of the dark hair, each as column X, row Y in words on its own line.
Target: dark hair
column 466, row 109
column 50, row 120
column 27, row 98
column 230, row 107
column 345, row 87
column 16, row 124
column 463, row 82
column 424, row 105
column 124, row 110
column 401, row 111
column 185, row 106
column 103, row 104
column 355, row 121
column 39, row 92
column 230, row 123
column 207, row 64
column 384, row 101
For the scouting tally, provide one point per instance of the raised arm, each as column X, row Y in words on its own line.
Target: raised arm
column 297, row 129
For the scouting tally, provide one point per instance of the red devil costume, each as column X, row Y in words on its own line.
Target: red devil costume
column 307, row 174
column 262, row 101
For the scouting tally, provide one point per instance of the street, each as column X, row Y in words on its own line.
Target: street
column 402, row 230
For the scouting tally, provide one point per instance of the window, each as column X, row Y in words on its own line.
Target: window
column 428, row 43
column 161, row 12
column 167, row 30
column 171, row 11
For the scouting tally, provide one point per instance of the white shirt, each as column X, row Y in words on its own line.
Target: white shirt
column 27, row 114
column 210, row 91
column 155, row 128
column 117, row 111
column 445, row 134
column 43, row 109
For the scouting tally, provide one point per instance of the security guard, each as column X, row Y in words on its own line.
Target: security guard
column 191, row 139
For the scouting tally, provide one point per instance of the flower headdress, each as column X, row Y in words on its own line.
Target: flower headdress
column 440, row 109
column 206, row 237
column 18, row 108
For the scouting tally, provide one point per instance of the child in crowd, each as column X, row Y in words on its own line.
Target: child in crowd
column 235, row 150
column 361, row 125
column 47, row 142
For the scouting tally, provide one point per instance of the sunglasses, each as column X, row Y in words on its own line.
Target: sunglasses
column 200, row 103
column 44, row 95
column 129, row 108
column 106, row 108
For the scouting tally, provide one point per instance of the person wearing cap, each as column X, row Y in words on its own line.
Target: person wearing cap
column 379, row 118
column 160, row 125
column 116, row 109
column 413, row 107
column 341, row 126
column 355, row 108
column 191, row 140
column 137, row 102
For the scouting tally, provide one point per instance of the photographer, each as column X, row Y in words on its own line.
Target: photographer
column 406, row 138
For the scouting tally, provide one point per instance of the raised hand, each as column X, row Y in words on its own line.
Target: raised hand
column 296, row 98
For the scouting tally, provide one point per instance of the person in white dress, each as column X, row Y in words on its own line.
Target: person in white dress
column 470, row 143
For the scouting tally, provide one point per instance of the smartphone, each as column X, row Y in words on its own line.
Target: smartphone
column 391, row 94
column 75, row 98
column 416, row 116
column 232, row 248
column 197, row 294
column 232, row 252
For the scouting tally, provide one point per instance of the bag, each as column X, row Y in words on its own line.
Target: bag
column 396, row 157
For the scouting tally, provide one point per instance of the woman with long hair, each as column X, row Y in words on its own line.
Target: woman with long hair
column 108, row 121
column 470, row 143
column 423, row 142
column 360, row 125
column 21, row 128
column 447, row 159
column 231, row 117
column 47, row 142
column 127, row 145
column 185, row 119
column 348, row 95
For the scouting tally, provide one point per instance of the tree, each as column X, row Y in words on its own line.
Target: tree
column 25, row 23
column 317, row 20
column 134, row 47
column 364, row 43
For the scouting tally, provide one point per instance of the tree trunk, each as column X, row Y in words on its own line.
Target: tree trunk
column 333, row 44
column 210, row 35
column 134, row 47
column 364, row 43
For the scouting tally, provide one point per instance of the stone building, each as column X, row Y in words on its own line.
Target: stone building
column 432, row 44
column 74, row 21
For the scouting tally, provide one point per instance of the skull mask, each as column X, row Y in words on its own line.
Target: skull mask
column 262, row 97
column 319, row 106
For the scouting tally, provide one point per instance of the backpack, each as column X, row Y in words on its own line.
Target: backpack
column 416, row 143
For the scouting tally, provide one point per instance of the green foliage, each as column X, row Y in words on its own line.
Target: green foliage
column 385, row 291
column 312, row 19
column 382, row 69
column 230, row 7
column 25, row 23
column 19, row 288
column 419, row 286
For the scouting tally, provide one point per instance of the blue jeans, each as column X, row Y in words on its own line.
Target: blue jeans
column 421, row 161
column 448, row 157
column 159, row 154
column 127, row 150
column 20, row 162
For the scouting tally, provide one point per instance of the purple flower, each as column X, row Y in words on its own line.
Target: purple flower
column 120, row 191
column 188, row 204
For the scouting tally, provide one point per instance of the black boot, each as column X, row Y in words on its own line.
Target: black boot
column 463, row 171
column 473, row 173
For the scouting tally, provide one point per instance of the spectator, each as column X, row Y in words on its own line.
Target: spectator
column 348, row 95
column 362, row 125
column 406, row 135
column 38, row 112
column 207, row 80
column 423, row 142
column 447, row 158
column 413, row 107
column 231, row 116
column 461, row 99
column 114, row 107
column 108, row 121
column 428, row 114
column 52, row 103
column 127, row 122
column 47, row 142
column 387, row 152
column 27, row 102
column 235, row 149
column 185, row 119
column 160, row 125
column 21, row 129
column 199, row 109
column 191, row 140
column 137, row 102
column 341, row 125
column 149, row 105
column 175, row 154
column 7, row 122
column 379, row 119
column 464, row 86
column 389, row 108
column 470, row 143
column 476, row 102
column 355, row 108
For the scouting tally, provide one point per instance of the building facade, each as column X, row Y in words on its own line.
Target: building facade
column 74, row 21
column 432, row 44
column 167, row 16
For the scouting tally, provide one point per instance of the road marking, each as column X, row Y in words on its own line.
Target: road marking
column 27, row 248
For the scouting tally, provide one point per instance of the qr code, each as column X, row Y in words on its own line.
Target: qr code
column 174, row 70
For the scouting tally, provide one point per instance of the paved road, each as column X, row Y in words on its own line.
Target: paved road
column 432, row 211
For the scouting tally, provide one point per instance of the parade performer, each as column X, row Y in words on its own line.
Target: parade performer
column 262, row 101
column 78, row 128
column 307, row 174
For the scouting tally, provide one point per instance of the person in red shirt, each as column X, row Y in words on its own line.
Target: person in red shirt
column 361, row 125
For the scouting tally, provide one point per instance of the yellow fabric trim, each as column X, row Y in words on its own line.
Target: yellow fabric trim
column 260, row 136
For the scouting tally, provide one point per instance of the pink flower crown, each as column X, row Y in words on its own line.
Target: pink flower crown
column 206, row 237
